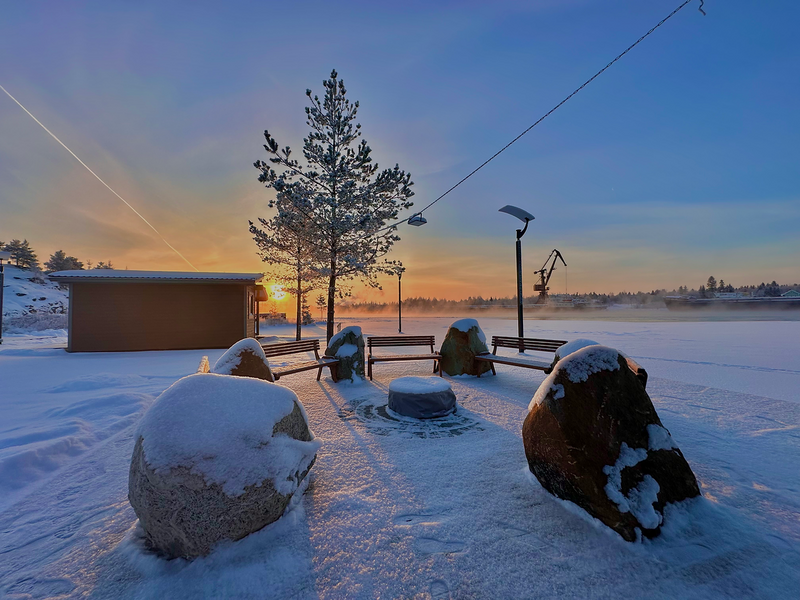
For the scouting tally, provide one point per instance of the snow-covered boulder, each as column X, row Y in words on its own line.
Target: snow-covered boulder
column 593, row 437
column 421, row 397
column 568, row 349
column 216, row 458
column 464, row 340
column 244, row 359
column 579, row 344
column 348, row 347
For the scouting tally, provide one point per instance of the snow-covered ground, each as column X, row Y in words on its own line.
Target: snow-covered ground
column 398, row 508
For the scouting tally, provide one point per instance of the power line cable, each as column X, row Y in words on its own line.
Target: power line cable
column 138, row 214
column 547, row 114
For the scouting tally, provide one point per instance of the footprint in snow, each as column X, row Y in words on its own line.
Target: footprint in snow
column 434, row 546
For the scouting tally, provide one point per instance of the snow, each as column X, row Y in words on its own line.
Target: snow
column 628, row 457
column 574, row 346
column 354, row 329
column 29, row 293
column 659, row 438
column 578, row 365
column 544, row 389
column 137, row 275
column 419, row 385
column 347, row 350
column 641, row 500
column 422, row 509
column 466, row 324
column 587, row 361
column 220, row 427
column 233, row 356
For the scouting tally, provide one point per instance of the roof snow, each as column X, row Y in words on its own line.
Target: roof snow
column 99, row 274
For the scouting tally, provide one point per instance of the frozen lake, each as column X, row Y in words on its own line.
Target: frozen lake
column 416, row 510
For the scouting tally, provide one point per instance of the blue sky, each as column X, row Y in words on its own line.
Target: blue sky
column 679, row 162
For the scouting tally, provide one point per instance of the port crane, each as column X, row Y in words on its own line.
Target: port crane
column 544, row 275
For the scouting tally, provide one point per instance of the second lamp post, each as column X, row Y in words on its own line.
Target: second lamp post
column 526, row 217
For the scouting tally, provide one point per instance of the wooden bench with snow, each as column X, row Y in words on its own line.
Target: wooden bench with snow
column 390, row 341
column 520, row 344
column 288, row 348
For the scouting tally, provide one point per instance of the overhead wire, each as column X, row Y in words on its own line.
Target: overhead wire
column 547, row 114
column 138, row 214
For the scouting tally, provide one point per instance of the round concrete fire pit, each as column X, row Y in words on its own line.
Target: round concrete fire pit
column 421, row 397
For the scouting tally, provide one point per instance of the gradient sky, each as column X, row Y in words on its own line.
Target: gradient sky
column 681, row 161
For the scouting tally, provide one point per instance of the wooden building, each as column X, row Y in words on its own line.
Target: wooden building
column 120, row 311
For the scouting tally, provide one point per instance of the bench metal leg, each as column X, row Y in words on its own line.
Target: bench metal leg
column 319, row 373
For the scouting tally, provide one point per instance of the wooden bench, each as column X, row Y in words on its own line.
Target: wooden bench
column 287, row 348
column 391, row 341
column 520, row 344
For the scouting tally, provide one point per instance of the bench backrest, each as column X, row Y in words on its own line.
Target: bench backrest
column 521, row 344
column 401, row 340
column 284, row 348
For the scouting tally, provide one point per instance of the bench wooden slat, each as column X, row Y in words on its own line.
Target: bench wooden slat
column 541, row 345
column 304, row 366
column 298, row 347
column 521, row 344
column 382, row 342
column 516, row 362
column 386, row 341
column 391, row 357
column 283, row 348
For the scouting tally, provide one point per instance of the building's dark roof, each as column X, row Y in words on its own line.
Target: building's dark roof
column 154, row 276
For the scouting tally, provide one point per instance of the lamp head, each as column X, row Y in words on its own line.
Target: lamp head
column 417, row 220
column 515, row 211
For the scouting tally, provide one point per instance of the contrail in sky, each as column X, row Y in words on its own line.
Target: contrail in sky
column 175, row 250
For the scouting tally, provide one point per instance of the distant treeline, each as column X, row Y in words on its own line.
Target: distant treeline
column 653, row 297
column 24, row 257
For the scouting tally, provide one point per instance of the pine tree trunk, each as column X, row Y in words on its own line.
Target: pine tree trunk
column 299, row 309
column 331, row 299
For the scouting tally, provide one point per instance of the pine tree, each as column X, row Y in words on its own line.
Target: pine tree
column 102, row 265
column 59, row 261
column 711, row 285
column 22, row 254
column 321, row 304
column 306, row 313
column 344, row 199
column 282, row 243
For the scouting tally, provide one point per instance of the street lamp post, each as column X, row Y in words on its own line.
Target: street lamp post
column 399, row 303
column 3, row 256
column 527, row 217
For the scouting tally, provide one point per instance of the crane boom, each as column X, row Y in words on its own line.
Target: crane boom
column 545, row 274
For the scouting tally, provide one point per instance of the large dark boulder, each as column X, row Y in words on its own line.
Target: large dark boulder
column 244, row 359
column 593, row 437
column 464, row 340
column 348, row 347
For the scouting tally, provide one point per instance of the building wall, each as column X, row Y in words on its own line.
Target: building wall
column 109, row 316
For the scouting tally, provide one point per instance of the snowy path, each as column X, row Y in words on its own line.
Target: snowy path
column 401, row 509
